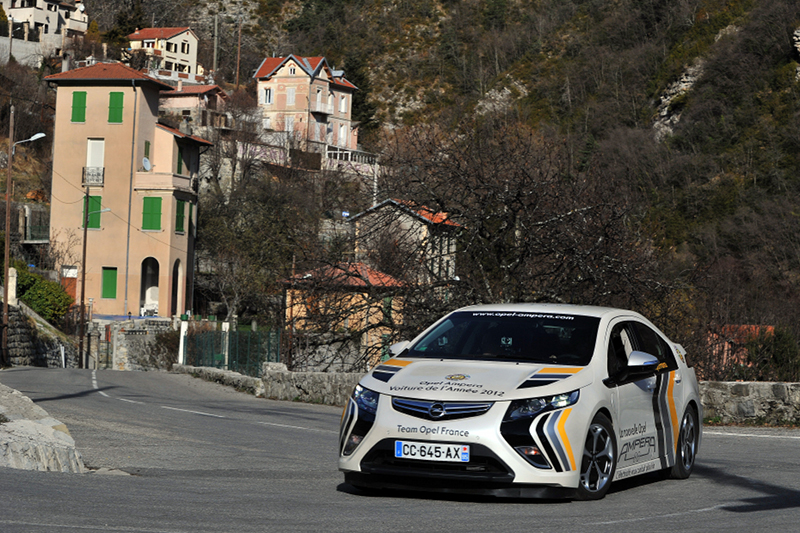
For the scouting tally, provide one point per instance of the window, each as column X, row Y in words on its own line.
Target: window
column 95, row 203
column 79, row 106
column 167, row 65
column 292, row 71
column 268, row 96
column 115, row 107
column 184, row 48
column 147, row 149
column 343, row 104
column 180, row 160
column 652, row 343
column 151, row 213
column 290, row 96
column 267, row 123
column 180, row 216
column 109, row 289
column 172, row 47
column 342, row 135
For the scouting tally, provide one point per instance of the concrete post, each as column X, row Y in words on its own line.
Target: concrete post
column 182, row 344
column 12, row 286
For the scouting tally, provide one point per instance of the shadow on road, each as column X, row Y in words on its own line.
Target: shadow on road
column 774, row 496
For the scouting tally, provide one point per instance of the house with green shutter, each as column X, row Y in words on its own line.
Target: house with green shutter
column 133, row 182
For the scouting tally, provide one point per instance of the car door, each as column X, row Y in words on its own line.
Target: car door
column 668, row 387
column 634, row 420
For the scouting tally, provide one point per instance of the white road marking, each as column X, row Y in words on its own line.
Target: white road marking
column 670, row 515
column 193, row 412
column 707, row 433
column 129, row 401
column 94, row 384
column 296, row 427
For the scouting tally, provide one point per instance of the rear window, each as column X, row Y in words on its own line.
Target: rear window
column 511, row 336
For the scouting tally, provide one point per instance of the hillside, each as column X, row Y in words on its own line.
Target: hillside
column 689, row 110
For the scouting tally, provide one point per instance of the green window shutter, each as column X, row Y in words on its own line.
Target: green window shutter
column 79, row 106
column 115, row 107
column 151, row 213
column 147, row 149
column 180, row 160
column 109, row 289
column 180, row 215
column 95, row 204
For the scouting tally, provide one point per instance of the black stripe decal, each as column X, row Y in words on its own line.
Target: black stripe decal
column 659, row 424
column 667, row 422
column 551, row 454
column 537, row 383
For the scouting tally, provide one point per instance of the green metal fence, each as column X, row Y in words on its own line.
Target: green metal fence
column 239, row 351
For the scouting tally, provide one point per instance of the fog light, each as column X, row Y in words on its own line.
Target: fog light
column 352, row 443
column 533, row 455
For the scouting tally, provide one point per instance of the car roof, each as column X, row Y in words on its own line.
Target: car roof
column 550, row 308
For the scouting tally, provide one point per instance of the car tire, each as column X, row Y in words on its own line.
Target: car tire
column 599, row 459
column 686, row 451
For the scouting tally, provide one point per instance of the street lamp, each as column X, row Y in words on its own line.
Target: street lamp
column 9, row 190
column 82, row 362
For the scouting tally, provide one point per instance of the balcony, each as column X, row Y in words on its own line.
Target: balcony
column 93, row 176
column 320, row 107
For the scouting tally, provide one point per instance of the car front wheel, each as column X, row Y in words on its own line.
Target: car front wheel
column 687, row 446
column 599, row 460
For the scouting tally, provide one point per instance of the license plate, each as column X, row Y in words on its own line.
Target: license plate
column 431, row 451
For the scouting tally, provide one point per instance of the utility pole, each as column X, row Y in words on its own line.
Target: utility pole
column 239, row 49
column 7, row 360
column 216, row 43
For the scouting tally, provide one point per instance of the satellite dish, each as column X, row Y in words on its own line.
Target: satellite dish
column 146, row 164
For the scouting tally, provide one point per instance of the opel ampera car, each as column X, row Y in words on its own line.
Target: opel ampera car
column 524, row 400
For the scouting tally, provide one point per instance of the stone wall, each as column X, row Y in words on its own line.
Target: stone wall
column 736, row 402
column 34, row 342
column 277, row 383
column 760, row 402
column 132, row 340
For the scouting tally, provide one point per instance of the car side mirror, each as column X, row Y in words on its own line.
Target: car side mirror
column 642, row 364
column 398, row 348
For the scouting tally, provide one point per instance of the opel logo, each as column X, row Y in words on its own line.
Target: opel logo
column 436, row 411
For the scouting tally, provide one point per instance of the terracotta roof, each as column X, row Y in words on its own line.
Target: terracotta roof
column 743, row 333
column 180, row 134
column 422, row 212
column 310, row 65
column 346, row 275
column 194, row 90
column 104, row 72
column 156, row 33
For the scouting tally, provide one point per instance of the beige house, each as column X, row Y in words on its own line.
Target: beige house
column 202, row 105
column 141, row 180
column 171, row 49
column 309, row 100
column 345, row 298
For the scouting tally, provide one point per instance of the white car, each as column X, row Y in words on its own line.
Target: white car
column 524, row 400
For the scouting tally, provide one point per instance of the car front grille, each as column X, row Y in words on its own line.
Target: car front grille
column 439, row 411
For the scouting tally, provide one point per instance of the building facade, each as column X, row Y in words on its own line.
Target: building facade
column 48, row 17
column 137, row 179
column 309, row 100
column 169, row 49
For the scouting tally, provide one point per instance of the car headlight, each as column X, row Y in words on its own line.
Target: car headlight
column 531, row 407
column 366, row 399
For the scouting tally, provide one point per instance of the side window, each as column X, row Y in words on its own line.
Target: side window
column 652, row 343
column 115, row 100
column 151, row 213
column 619, row 348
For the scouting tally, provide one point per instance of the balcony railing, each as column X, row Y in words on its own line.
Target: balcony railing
column 321, row 107
column 93, row 176
column 37, row 234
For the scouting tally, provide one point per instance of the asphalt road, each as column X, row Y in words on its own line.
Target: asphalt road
column 177, row 454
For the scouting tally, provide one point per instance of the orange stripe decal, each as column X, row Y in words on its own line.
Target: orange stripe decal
column 673, row 413
column 551, row 370
column 563, row 432
column 396, row 362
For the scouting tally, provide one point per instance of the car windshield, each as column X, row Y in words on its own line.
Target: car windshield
column 511, row 336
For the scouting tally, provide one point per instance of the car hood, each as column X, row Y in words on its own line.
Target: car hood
column 473, row 380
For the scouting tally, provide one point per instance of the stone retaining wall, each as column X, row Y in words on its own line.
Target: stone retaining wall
column 728, row 402
column 761, row 402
